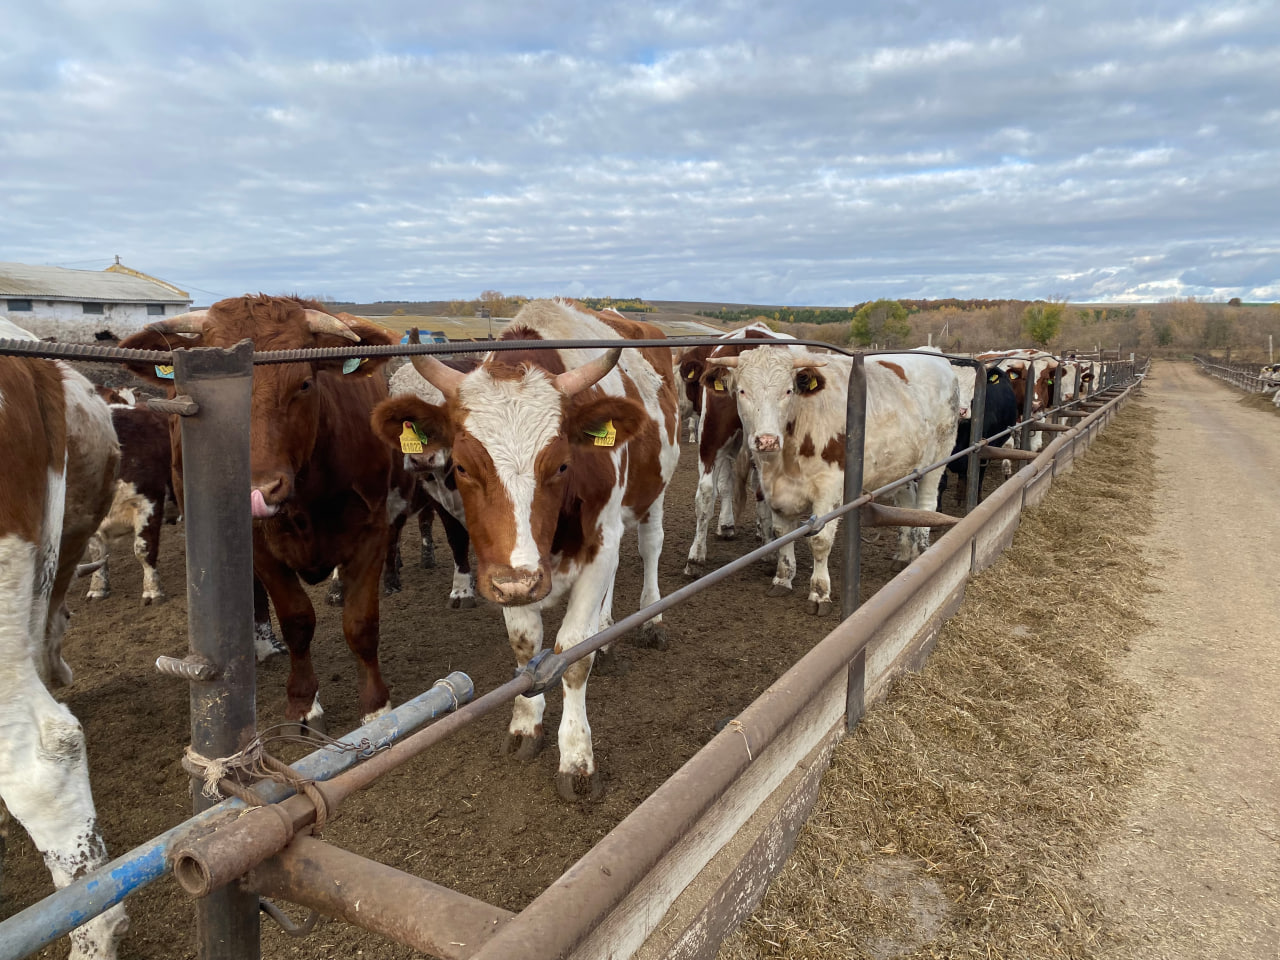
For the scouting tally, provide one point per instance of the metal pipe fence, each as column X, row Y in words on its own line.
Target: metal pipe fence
column 1248, row 377
column 213, row 386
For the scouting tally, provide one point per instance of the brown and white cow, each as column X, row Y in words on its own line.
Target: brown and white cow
column 720, row 466
column 793, row 407
column 1026, row 365
column 137, row 507
column 57, row 477
column 556, row 452
column 320, row 477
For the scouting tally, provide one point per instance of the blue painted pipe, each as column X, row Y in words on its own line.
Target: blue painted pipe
column 79, row 902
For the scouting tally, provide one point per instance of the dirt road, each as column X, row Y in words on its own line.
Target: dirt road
column 1197, row 873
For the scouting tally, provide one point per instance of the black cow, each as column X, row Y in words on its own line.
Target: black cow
column 999, row 413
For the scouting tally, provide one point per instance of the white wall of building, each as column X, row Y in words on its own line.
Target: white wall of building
column 66, row 320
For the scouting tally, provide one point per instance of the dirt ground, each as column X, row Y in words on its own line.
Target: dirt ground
column 461, row 815
column 1195, row 871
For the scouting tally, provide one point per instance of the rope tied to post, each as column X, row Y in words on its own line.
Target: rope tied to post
column 738, row 725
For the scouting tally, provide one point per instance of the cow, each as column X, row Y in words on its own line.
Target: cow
column 999, row 413
column 555, row 453
column 793, row 406
column 427, row 461
column 1021, row 364
column 57, row 479
column 721, row 471
column 137, row 507
column 319, row 476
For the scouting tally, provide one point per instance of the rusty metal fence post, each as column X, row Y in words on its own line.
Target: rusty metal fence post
column 851, row 556
column 215, row 460
column 977, row 420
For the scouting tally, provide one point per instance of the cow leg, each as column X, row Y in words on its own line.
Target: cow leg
column 44, row 775
column 724, row 473
column 392, row 564
column 297, row 625
column 650, row 534
column 360, row 622
column 577, row 777
column 785, row 574
column 265, row 642
column 100, row 579
column 704, row 501
column 462, row 596
column 609, row 662
column 425, row 518
column 524, row 733
column 334, row 597
column 146, row 547
column 820, row 582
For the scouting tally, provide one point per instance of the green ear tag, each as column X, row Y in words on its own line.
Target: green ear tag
column 351, row 364
column 164, row 371
column 994, row 378
column 605, row 435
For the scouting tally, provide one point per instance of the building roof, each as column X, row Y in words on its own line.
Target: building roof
column 105, row 286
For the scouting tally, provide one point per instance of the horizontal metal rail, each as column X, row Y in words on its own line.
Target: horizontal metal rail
column 1240, row 376
column 78, row 902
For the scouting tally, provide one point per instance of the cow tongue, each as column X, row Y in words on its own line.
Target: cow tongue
column 259, row 506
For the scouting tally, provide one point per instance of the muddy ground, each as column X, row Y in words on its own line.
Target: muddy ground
column 462, row 815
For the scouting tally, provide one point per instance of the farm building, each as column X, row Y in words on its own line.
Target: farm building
column 80, row 306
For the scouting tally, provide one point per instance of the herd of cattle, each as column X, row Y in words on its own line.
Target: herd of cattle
column 536, row 460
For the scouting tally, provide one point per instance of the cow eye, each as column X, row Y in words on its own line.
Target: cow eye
column 306, row 385
column 564, row 467
column 459, row 469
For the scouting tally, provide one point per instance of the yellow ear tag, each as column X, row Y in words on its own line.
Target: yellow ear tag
column 605, row 435
column 1013, row 374
column 411, row 438
column 994, row 378
column 693, row 374
column 719, row 385
column 164, row 371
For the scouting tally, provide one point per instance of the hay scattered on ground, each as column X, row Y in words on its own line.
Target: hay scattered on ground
column 1260, row 401
column 956, row 821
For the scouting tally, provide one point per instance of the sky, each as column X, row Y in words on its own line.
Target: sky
column 807, row 152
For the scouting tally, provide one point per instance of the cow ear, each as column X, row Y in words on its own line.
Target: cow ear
column 717, row 379
column 404, row 420
column 691, row 369
column 604, row 421
column 149, row 338
column 370, row 334
column 809, row 381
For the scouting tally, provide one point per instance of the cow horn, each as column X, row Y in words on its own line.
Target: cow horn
column 445, row 379
column 92, row 566
column 192, row 322
column 725, row 361
column 580, row 378
column 320, row 322
column 799, row 363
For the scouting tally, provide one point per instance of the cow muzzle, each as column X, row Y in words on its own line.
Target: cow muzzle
column 767, row 442
column 513, row 588
column 265, row 498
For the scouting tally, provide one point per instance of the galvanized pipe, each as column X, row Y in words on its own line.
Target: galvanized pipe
column 219, row 539
column 62, row 911
column 387, row 901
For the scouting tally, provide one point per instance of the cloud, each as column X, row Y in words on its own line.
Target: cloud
column 808, row 152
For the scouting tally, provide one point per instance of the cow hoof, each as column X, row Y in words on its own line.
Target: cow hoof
column 819, row 608
column 522, row 745
column 334, row 597
column 726, row 533
column 651, row 635
column 428, row 560
column 97, row 594
column 467, row 603
column 388, row 590
column 778, row 590
column 897, row 566
column 315, row 729
column 579, row 786
column 693, row 569
column 154, row 598
column 608, row 664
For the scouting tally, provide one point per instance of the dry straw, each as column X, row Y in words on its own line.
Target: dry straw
column 960, row 817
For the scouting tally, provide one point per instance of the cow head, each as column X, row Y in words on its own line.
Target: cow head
column 288, row 398
column 766, row 383
column 531, row 442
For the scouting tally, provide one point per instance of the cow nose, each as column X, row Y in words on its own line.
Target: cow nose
column 517, row 586
column 767, row 442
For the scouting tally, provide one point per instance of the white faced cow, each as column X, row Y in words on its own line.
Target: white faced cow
column 792, row 406
column 55, row 486
column 555, row 453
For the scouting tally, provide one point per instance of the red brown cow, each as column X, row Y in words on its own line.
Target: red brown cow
column 319, row 476
column 55, row 486
column 555, row 452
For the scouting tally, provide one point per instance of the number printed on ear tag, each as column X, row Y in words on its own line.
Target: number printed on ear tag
column 164, row 371
column 411, row 438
